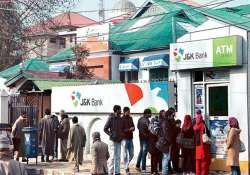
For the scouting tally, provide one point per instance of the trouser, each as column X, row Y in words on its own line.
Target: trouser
column 165, row 161
column 128, row 152
column 141, row 160
column 64, row 148
column 175, row 157
column 155, row 161
column 235, row 170
column 115, row 157
column 19, row 147
column 202, row 167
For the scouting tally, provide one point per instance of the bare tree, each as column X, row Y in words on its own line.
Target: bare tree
column 17, row 17
column 81, row 69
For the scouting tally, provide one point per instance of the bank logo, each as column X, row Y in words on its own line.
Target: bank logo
column 75, row 97
column 178, row 54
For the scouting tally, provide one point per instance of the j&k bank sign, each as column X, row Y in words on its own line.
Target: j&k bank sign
column 219, row 52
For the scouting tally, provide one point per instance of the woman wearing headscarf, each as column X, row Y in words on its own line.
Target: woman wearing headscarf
column 188, row 148
column 202, row 150
column 233, row 146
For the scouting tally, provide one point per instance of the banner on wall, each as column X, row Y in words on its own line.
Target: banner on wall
column 218, row 52
column 199, row 98
column 219, row 130
column 102, row 98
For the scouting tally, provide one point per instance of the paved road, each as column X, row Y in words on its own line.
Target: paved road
column 60, row 168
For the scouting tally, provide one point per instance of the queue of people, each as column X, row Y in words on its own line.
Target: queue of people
column 172, row 147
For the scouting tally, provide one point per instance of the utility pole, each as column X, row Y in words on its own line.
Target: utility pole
column 101, row 11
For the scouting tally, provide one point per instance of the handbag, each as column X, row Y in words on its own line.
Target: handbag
column 205, row 138
column 242, row 147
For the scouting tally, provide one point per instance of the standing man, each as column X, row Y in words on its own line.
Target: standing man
column 48, row 127
column 8, row 166
column 114, row 128
column 18, row 135
column 142, row 126
column 63, row 133
column 127, row 142
column 165, row 139
column 76, row 143
column 100, row 155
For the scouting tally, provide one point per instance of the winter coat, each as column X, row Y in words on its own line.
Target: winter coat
column 233, row 147
column 202, row 150
column 127, row 124
column 47, row 127
column 11, row 167
column 64, row 127
column 142, row 126
column 114, row 128
column 76, row 143
column 165, row 139
column 100, row 155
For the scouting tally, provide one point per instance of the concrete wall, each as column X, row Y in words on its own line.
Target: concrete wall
column 96, row 122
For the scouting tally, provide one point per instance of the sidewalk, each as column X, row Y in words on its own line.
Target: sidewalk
column 66, row 168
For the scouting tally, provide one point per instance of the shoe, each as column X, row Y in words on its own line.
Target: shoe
column 76, row 169
column 63, row 160
column 138, row 169
column 143, row 171
column 127, row 171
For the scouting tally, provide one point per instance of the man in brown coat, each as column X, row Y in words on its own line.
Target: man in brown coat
column 8, row 166
column 76, row 143
column 100, row 155
column 63, row 132
column 18, row 136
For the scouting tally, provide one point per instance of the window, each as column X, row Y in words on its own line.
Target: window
column 218, row 101
column 132, row 76
column 52, row 40
column 62, row 43
column 158, row 74
column 198, row 76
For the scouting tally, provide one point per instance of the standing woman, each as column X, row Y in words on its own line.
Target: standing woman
column 202, row 150
column 233, row 146
column 188, row 147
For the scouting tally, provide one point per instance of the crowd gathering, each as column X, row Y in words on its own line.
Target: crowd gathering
column 172, row 147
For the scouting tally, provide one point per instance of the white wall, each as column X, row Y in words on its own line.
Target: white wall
column 238, row 77
column 115, row 61
column 98, row 121
column 184, row 98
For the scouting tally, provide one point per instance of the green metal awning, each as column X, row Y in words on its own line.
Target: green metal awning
column 48, row 84
column 64, row 55
column 34, row 64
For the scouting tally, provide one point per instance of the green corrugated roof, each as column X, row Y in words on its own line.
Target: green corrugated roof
column 228, row 17
column 66, row 54
column 34, row 64
column 157, row 33
column 241, row 10
column 47, row 84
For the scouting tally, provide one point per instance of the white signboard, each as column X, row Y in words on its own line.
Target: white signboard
column 102, row 98
column 219, row 52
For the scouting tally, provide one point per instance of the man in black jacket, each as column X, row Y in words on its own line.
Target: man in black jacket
column 142, row 126
column 114, row 128
column 165, row 139
column 127, row 142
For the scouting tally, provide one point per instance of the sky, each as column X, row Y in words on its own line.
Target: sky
column 88, row 5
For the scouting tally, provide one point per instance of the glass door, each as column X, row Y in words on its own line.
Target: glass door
column 217, row 97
